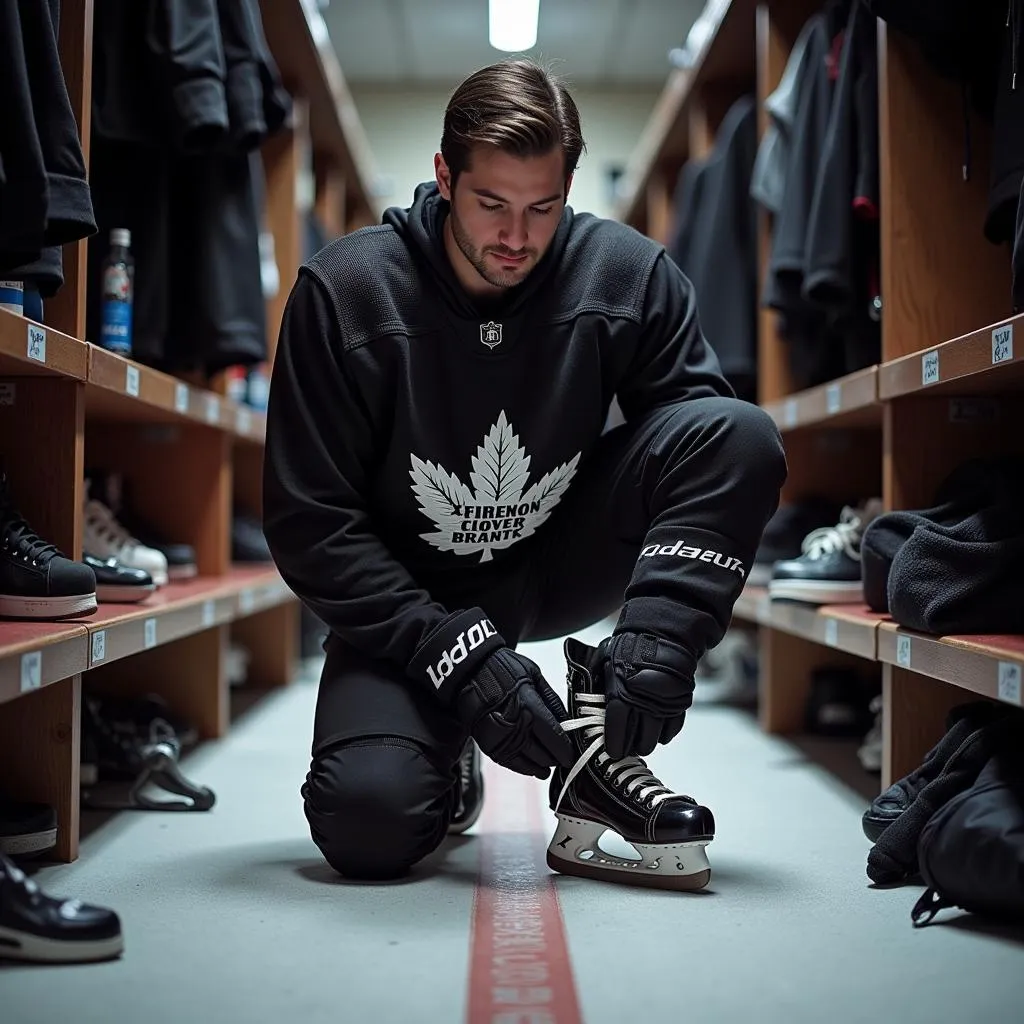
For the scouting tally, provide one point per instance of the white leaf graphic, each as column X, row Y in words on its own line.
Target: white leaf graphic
column 548, row 490
column 501, row 469
column 500, row 466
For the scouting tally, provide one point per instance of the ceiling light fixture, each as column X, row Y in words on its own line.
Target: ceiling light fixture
column 513, row 24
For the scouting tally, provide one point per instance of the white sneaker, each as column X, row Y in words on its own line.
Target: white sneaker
column 105, row 537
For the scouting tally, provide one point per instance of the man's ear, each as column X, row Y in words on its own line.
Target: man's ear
column 443, row 175
column 568, row 185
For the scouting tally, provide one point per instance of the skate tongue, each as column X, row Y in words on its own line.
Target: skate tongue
column 583, row 662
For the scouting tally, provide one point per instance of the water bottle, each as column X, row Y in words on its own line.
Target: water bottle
column 12, row 296
column 118, row 286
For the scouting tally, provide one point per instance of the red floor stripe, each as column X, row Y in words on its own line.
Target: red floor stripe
column 519, row 971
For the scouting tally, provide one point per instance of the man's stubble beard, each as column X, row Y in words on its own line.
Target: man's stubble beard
column 478, row 259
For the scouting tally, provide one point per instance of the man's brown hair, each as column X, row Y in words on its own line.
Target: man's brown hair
column 515, row 105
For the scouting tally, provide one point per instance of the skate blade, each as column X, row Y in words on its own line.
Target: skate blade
column 573, row 850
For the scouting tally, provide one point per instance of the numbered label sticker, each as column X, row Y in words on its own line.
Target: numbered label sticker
column 1009, row 682
column 131, row 380
column 831, row 632
column 99, row 646
column 903, row 651
column 833, row 398
column 8, row 392
column 181, row 398
column 36, row 343
column 247, row 601
column 1002, row 344
column 209, row 613
column 930, row 368
column 149, row 633
column 789, row 412
column 31, row 671
column 212, row 409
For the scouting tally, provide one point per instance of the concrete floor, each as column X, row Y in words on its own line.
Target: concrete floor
column 232, row 916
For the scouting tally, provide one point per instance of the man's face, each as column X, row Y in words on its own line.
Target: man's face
column 504, row 213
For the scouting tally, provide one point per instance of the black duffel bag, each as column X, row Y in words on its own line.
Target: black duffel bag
column 971, row 852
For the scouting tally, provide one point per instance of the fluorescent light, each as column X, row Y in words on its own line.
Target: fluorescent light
column 513, row 24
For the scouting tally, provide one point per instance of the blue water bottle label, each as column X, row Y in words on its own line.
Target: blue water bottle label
column 116, row 329
column 12, row 296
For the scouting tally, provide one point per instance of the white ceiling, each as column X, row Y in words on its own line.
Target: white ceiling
column 595, row 42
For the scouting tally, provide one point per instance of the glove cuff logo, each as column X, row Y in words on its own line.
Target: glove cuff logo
column 682, row 550
column 468, row 641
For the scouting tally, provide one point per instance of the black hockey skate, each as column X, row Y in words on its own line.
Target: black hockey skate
column 668, row 830
column 470, row 794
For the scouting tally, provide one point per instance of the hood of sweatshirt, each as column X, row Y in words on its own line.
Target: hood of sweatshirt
column 421, row 226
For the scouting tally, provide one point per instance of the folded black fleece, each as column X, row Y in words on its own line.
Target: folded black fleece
column 956, row 567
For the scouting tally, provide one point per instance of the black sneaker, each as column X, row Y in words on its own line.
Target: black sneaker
column 829, row 571
column 42, row 929
column 36, row 580
column 962, row 722
column 669, row 831
column 784, row 535
column 117, row 583
column 470, row 801
column 26, row 828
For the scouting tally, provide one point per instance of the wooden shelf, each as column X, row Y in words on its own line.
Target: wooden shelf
column 850, row 401
column 985, row 361
column 117, row 388
column 727, row 56
column 29, row 349
column 122, row 389
column 35, row 654
column 846, row 627
column 988, row 665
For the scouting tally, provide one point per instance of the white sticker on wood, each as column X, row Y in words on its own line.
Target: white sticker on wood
column 833, row 398
column 181, row 398
column 99, row 646
column 930, row 368
column 131, row 380
column 1009, row 682
column 36, row 343
column 31, row 671
column 831, row 632
column 903, row 651
column 149, row 634
column 1002, row 344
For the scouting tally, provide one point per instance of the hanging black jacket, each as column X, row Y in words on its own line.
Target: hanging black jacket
column 417, row 441
column 45, row 200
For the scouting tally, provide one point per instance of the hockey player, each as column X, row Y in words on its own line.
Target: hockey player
column 439, row 487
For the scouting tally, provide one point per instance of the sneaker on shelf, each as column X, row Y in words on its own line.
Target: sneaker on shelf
column 837, row 704
column 869, row 753
column 247, row 541
column 237, row 665
column 36, row 580
column 26, row 828
column 104, row 537
column 43, row 929
column 785, row 532
column 829, row 570
column 108, row 488
column 117, row 583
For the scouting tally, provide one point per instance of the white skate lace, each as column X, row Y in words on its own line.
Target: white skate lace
column 844, row 536
column 630, row 774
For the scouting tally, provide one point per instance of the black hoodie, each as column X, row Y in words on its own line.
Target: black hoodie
column 416, row 442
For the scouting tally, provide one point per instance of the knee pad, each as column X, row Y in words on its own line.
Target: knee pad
column 377, row 806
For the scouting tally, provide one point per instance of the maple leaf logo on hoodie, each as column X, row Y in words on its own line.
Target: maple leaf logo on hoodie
column 498, row 510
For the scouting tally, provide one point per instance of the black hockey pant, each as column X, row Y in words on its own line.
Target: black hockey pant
column 381, row 788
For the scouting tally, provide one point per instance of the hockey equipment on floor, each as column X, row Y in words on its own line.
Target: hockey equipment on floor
column 44, row 929
column 27, row 828
column 669, row 831
column 470, row 793
column 123, row 764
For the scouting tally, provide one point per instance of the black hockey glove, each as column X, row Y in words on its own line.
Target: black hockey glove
column 501, row 697
column 648, row 685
